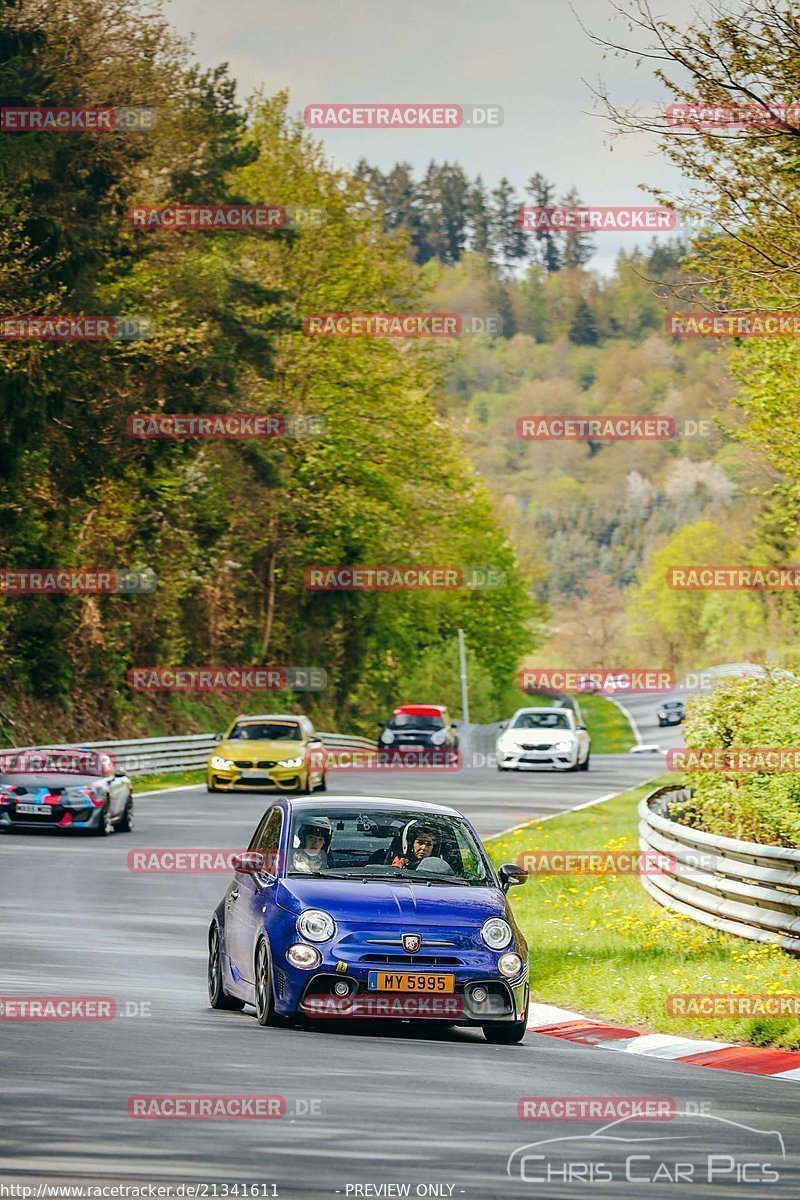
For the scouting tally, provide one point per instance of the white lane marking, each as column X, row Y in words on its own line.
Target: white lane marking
column 184, row 787
column 627, row 713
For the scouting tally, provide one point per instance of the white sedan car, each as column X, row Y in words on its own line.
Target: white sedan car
column 544, row 737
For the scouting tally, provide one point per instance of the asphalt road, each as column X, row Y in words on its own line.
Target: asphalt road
column 368, row 1106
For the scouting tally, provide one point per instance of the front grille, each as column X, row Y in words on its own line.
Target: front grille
column 412, row 960
column 245, row 762
column 538, row 746
column 266, row 764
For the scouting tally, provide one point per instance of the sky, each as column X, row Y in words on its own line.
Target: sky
column 531, row 57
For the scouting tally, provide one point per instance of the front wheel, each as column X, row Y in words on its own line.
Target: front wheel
column 105, row 826
column 322, row 786
column 500, row 767
column 217, row 996
column 125, row 824
column 265, row 999
column 585, row 764
column 505, row 1034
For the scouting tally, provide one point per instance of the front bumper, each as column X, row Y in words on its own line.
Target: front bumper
column 61, row 817
column 514, row 760
column 282, row 779
column 353, row 956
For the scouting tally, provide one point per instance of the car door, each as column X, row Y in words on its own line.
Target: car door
column 244, row 917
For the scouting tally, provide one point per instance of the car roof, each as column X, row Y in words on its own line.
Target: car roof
column 379, row 802
column 269, row 716
column 542, row 709
column 420, row 710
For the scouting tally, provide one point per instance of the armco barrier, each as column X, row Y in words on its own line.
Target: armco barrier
column 742, row 888
column 162, row 755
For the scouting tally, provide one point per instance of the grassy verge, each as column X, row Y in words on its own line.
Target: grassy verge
column 610, row 729
column 149, row 783
column 600, row 945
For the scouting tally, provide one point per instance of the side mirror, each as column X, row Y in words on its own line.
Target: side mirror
column 248, row 862
column 583, row 727
column 454, row 724
column 504, row 724
column 511, row 875
column 217, row 737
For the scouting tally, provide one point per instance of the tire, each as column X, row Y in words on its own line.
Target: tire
column 500, row 767
column 265, row 998
column 105, row 826
column 502, row 1033
column 217, row 996
column 585, row 765
column 126, row 822
column 322, row 786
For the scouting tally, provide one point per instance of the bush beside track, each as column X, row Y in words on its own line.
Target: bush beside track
column 600, row 945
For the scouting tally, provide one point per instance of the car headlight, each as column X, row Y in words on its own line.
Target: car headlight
column 439, row 738
column 316, row 925
column 387, row 737
column 291, row 762
column 509, row 965
column 304, row 957
column 496, row 933
column 564, row 744
column 219, row 763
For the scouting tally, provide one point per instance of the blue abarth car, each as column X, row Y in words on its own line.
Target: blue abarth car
column 361, row 907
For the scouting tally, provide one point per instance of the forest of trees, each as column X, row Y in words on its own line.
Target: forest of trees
column 445, row 215
column 227, row 526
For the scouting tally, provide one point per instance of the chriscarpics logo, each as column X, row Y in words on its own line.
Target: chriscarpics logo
column 632, row 1153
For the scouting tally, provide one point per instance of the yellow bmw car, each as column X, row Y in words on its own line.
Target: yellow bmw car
column 268, row 752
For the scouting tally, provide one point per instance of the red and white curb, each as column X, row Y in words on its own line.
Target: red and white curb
column 726, row 1056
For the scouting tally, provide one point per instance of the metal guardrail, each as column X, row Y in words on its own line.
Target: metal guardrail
column 164, row 755
column 743, row 888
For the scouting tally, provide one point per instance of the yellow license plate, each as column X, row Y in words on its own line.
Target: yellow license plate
column 397, row 981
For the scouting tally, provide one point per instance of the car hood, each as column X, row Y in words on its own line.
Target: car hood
column 535, row 737
column 376, row 902
column 259, row 749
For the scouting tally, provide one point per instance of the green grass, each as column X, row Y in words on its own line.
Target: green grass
column 610, row 730
column 150, row 783
column 600, row 945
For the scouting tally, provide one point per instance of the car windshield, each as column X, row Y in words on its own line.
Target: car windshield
column 370, row 843
column 265, row 731
column 415, row 721
column 542, row 720
column 673, row 704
